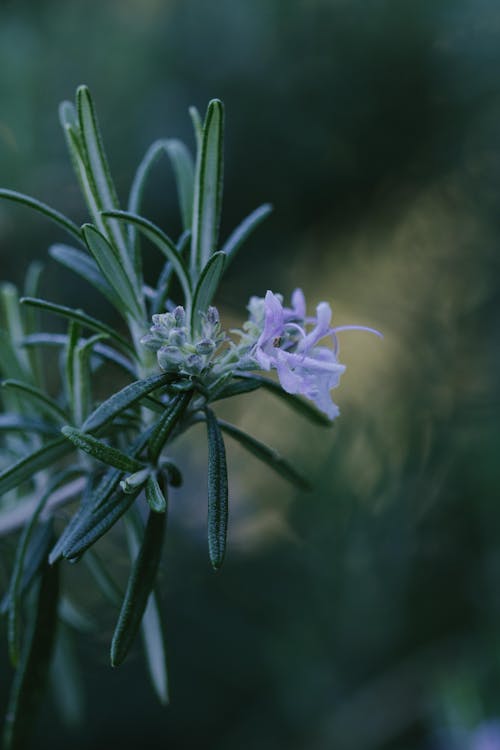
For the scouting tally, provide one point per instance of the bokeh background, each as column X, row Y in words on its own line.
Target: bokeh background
column 364, row 615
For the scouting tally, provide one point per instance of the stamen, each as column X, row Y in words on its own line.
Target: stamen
column 358, row 328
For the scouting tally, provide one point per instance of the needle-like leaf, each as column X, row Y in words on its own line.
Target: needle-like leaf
column 162, row 242
column 217, row 492
column 140, row 585
column 101, row 451
column 30, row 678
column 79, row 317
column 80, row 263
column 58, row 218
column 207, row 201
column 155, row 496
column 41, row 401
column 122, row 400
column 29, row 465
column 172, row 414
column 207, row 287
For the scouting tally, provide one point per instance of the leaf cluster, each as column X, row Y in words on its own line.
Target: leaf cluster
column 107, row 457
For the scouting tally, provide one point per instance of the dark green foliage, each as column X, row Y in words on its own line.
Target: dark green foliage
column 127, row 430
column 30, row 680
column 218, row 506
column 140, row 585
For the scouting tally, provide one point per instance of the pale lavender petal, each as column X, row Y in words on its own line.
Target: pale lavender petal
column 358, row 328
column 274, row 318
column 299, row 304
column 291, row 382
column 324, row 363
column 321, row 329
column 264, row 360
column 325, row 404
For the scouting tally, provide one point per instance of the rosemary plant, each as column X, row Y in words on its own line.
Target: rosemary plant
column 107, row 459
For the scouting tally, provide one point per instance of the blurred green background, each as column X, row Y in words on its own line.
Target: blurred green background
column 366, row 614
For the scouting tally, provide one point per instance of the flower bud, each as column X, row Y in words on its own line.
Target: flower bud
column 177, row 337
column 212, row 316
column 134, row 481
column 179, row 316
column 169, row 357
column 205, row 346
column 194, row 363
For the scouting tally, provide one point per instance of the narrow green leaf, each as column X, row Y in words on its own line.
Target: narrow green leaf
column 114, row 272
column 80, row 263
column 41, row 401
column 94, row 149
column 15, row 587
column 84, row 512
column 32, row 320
column 266, row 454
column 183, row 167
column 14, row 324
column 182, row 163
column 162, row 242
column 172, row 414
column 80, row 164
column 63, row 221
column 100, row 350
column 155, row 496
column 39, row 546
column 29, row 682
column 235, row 388
column 101, row 451
column 89, row 527
column 207, row 201
column 68, row 116
column 135, row 198
column 82, row 398
column 32, row 279
column 100, row 511
column 206, row 287
column 66, row 681
column 72, row 340
column 244, row 230
column 136, row 481
column 17, row 423
column 9, row 362
column 101, row 177
column 79, row 317
column 45, row 339
column 197, row 126
column 122, row 400
column 299, row 405
column 152, row 630
column 29, row 465
column 111, row 355
column 217, row 492
column 154, row 648
column 111, row 478
column 140, row 585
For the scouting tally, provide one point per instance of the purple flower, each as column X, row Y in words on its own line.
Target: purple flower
column 288, row 344
column 486, row 736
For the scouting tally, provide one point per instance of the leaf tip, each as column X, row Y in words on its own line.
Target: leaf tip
column 82, row 90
